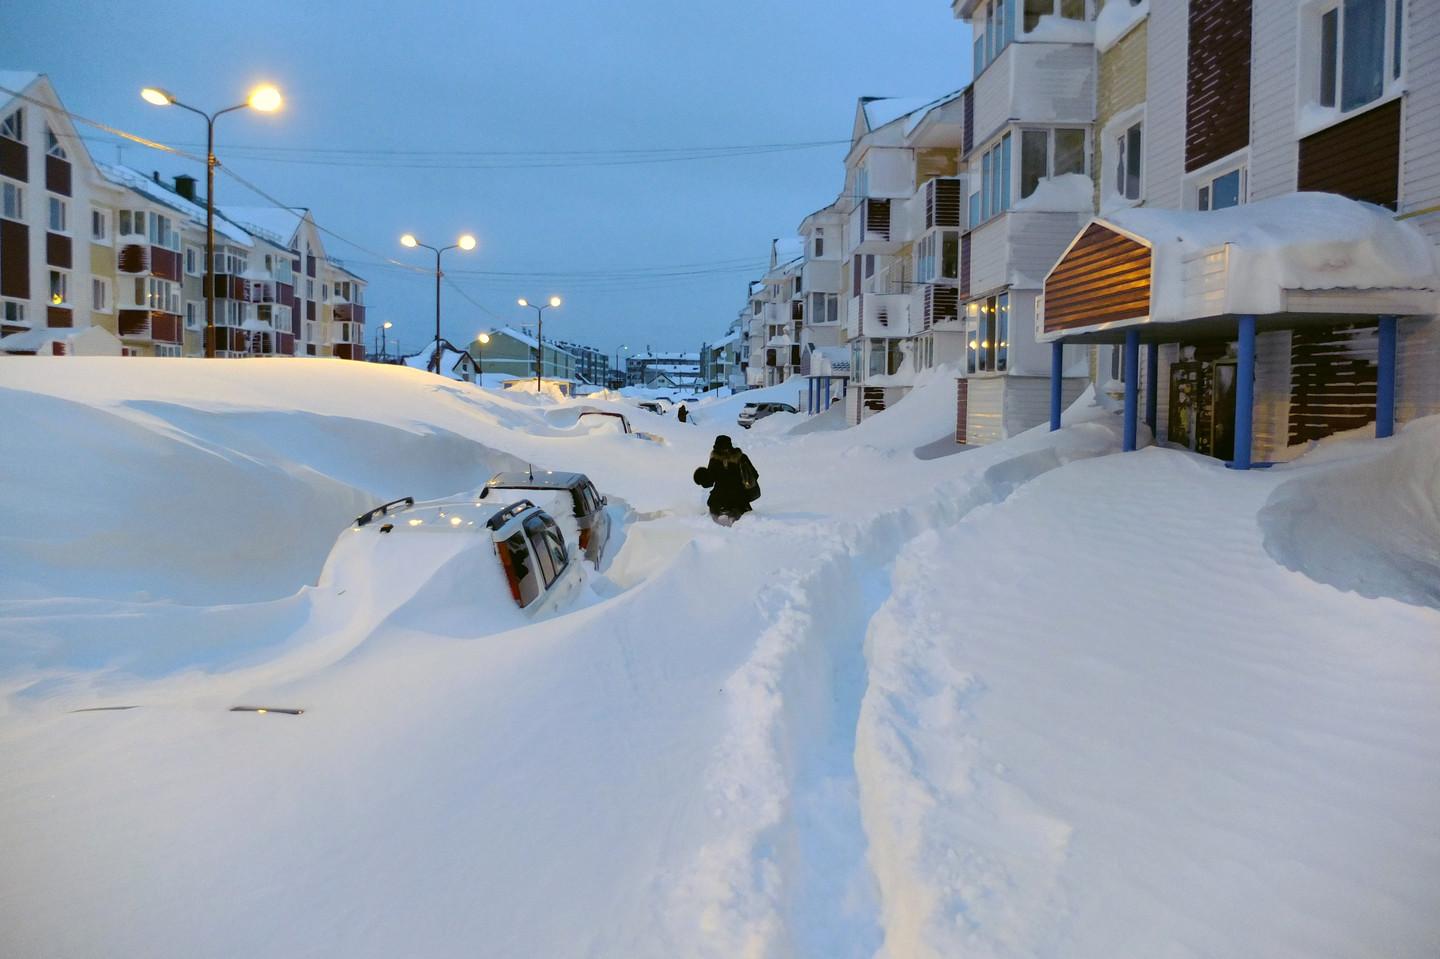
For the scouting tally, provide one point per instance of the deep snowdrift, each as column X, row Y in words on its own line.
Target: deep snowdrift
column 1371, row 526
column 1034, row 699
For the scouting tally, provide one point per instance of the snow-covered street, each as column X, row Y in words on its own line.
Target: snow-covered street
column 1036, row 698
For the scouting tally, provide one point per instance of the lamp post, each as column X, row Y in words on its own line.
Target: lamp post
column 466, row 242
column 385, row 326
column 265, row 99
column 623, row 378
column 539, row 332
column 480, row 341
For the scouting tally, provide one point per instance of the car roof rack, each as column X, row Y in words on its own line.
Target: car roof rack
column 508, row 513
column 365, row 518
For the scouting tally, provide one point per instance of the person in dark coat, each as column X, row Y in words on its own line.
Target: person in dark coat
column 682, row 414
column 732, row 480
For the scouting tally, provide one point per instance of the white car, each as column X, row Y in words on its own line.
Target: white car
column 529, row 553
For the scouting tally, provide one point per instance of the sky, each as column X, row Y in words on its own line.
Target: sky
column 506, row 120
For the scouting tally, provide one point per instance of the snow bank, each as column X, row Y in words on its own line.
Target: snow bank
column 1371, row 526
column 1067, row 193
column 1144, row 738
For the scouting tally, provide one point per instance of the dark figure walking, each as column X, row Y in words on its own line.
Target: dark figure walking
column 682, row 414
column 732, row 480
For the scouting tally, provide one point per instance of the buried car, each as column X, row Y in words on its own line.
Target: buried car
column 758, row 411
column 526, row 545
column 586, row 501
column 619, row 419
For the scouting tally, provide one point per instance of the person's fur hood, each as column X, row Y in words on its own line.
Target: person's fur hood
column 726, row 457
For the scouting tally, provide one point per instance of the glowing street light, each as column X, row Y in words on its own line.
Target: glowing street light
column 481, row 340
column 539, row 332
column 263, row 99
column 466, row 242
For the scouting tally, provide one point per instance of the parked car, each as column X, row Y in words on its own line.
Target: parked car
column 653, row 406
column 588, row 504
column 528, row 544
column 758, row 411
column 622, row 422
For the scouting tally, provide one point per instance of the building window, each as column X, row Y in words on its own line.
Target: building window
column 1066, row 9
column 1221, row 190
column 52, row 145
column 167, row 349
column 163, row 233
column 1127, row 163
column 59, row 215
column 161, row 295
column 132, row 223
column 192, row 316
column 59, row 287
column 987, row 334
column 12, row 313
column 100, row 294
column 13, row 126
column 994, row 31
column 1356, row 48
column 937, row 256
column 819, row 243
column 192, row 261
column 1046, row 153
column 99, row 226
column 995, row 180
column 12, row 201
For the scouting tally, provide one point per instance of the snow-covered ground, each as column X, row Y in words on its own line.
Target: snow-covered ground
column 1033, row 699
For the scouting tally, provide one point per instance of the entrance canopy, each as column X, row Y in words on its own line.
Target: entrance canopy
column 1314, row 254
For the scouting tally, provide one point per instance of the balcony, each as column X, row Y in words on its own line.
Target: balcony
column 934, row 305
column 148, row 325
column 350, row 313
column 879, row 315
column 870, row 227
column 1031, row 81
column 821, row 276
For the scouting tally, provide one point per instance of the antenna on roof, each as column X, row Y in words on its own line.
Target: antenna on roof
column 530, row 469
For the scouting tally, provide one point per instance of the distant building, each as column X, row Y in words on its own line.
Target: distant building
column 668, row 370
column 512, row 352
column 591, row 365
column 89, row 245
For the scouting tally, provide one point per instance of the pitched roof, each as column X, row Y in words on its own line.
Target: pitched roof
column 146, row 186
column 274, row 222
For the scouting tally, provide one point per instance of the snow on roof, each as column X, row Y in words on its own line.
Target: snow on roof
column 529, row 340
column 883, row 110
column 146, row 186
column 274, row 222
column 917, row 117
column 1300, row 241
column 1116, row 20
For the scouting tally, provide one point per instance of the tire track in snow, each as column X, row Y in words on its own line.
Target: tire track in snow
column 786, row 870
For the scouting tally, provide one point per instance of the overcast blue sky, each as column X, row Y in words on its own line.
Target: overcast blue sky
column 375, row 78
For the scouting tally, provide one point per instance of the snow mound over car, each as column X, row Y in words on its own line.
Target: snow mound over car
column 1371, row 526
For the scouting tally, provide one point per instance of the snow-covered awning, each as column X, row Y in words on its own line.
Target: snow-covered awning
column 1304, row 253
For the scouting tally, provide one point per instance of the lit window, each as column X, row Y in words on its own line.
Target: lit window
column 59, row 287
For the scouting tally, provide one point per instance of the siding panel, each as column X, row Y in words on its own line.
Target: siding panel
column 1167, row 36
column 1217, row 102
column 1273, row 150
column 1359, row 158
column 1103, row 279
column 14, row 258
column 1332, row 381
column 1420, row 156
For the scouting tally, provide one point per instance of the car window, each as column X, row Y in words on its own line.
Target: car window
column 535, row 529
column 526, row 584
column 577, row 495
column 555, row 542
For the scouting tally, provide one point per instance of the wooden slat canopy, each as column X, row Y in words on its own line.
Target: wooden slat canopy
column 1103, row 278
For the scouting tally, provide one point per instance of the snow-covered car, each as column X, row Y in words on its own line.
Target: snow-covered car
column 653, row 406
column 620, row 420
column 528, row 546
column 758, row 411
column 603, row 416
column 588, row 505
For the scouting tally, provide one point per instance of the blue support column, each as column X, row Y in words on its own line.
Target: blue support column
column 1057, row 374
column 827, row 392
column 810, row 395
column 1152, row 385
column 1132, row 386
column 1385, row 381
column 1245, row 394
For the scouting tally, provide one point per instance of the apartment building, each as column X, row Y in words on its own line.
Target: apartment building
column 1269, row 200
column 782, row 312
column 591, row 365
column 512, row 352
column 98, row 258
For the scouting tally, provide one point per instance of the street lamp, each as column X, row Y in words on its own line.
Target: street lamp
column 466, row 242
column 265, row 99
column 385, row 326
column 481, row 340
column 539, row 332
column 623, row 377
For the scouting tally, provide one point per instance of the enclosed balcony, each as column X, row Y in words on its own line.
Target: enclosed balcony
column 870, row 228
